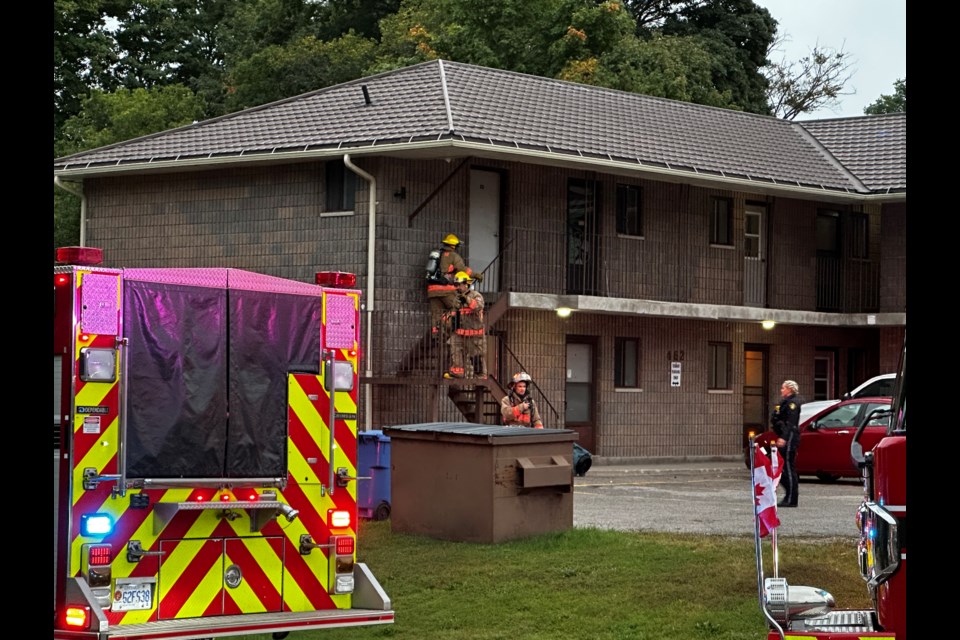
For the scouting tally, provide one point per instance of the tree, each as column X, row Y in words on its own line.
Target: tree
column 282, row 71
column 106, row 118
column 737, row 34
column 83, row 54
column 816, row 80
column 896, row 103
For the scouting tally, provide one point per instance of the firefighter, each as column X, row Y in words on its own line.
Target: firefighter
column 517, row 407
column 442, row 266
column 468, row 340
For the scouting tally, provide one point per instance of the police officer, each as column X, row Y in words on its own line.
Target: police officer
column 441, row 291
column 517, row 407
column 786, row 424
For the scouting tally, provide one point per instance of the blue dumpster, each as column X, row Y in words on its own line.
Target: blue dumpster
column 373, row 462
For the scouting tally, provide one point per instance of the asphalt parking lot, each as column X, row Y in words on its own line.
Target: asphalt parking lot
column 707, row 498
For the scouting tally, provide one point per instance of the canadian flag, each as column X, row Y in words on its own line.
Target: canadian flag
column 766, row 477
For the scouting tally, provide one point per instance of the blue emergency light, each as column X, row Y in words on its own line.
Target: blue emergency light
column 96, row 524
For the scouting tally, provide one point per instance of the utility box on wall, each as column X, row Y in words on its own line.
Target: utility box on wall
column 479, row 483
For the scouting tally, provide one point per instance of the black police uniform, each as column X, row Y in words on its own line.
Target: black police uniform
column 786, row 424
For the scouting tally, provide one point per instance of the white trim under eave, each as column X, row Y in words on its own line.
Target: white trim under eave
column 441, row 149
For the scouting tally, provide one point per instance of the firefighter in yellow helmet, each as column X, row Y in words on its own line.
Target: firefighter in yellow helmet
column 468, row 340
column 442, row 265
column 517, row 407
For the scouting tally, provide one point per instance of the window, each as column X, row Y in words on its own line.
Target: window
column 859, row 236
column 823, row 376
column 721, row 221
column 828, row 233
column 629, row 210
column 341, row 186
column 626, row 367
column 751, row 234
column 718, row 362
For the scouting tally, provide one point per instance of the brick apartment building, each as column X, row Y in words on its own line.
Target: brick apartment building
column 664, row 232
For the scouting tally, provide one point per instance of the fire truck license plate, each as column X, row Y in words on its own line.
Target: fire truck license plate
column 132, row 596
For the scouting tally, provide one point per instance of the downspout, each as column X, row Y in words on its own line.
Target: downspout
column 83, row 206
column 371, row 254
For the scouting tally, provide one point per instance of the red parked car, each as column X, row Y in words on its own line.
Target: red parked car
column 825, row 437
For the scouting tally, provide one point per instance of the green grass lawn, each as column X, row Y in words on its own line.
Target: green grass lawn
column 586, row 584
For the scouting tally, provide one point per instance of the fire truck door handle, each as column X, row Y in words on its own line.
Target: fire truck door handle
column 343, row 478
column 135, row 551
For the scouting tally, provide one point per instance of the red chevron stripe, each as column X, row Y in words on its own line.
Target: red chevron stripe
column 230, row 606
column 83, row 442
column 176, row 595
column 342, row 432
column 313, row 586
column 259, row 582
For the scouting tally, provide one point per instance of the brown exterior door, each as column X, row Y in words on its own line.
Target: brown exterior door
column 755, row 404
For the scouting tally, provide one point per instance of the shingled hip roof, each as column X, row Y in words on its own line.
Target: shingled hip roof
column 447, row 104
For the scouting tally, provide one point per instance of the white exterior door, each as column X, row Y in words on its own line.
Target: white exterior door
column 484, row 239
column 755, row 256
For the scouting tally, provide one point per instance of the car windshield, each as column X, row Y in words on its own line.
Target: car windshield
column 882, row 387
column 846, row 415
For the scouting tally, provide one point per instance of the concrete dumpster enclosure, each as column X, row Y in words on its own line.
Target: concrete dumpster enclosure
column 480, row 483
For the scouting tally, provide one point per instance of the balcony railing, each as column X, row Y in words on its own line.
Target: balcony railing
column 848, row 286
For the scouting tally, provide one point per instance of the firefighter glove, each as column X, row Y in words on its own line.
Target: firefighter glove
column 478, row 277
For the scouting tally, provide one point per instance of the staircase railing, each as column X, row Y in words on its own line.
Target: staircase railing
column 510, row 365
column 492, row 273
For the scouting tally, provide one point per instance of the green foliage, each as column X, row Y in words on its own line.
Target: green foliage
column 737, row 34
column 668, row 66
column 896, row 103
column 308, row 64
column 83, row 54
column 125, row 114
column 586, row 583
column 113, row 117
column 338, row 17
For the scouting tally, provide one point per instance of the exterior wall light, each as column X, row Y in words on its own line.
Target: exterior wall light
column 564, row 312
column 768, row 324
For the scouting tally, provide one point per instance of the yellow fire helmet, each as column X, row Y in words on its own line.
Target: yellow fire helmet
column 462, row 277
column 452, row 240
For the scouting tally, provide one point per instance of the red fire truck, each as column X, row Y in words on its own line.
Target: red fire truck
column 808, row 613
column 206, row 469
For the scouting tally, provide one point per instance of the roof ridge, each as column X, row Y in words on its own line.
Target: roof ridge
column 446, row 96
column 832, row 159
column 597, row 88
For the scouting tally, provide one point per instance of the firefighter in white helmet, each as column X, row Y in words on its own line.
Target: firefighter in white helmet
column 468, row 340
column 517, row 407
column 442, row 265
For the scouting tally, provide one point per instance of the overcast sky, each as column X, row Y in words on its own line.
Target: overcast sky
column 873, row 32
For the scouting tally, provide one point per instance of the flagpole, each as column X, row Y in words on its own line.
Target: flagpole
column 773, row 533
column 756, row 525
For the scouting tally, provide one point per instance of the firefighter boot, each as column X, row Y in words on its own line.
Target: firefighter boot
column 479, row 367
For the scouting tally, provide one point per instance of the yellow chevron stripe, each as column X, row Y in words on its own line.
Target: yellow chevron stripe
column 244, row 595
column 200, row 598
column 305, row 411
column 97, row 457
column 144, row 533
